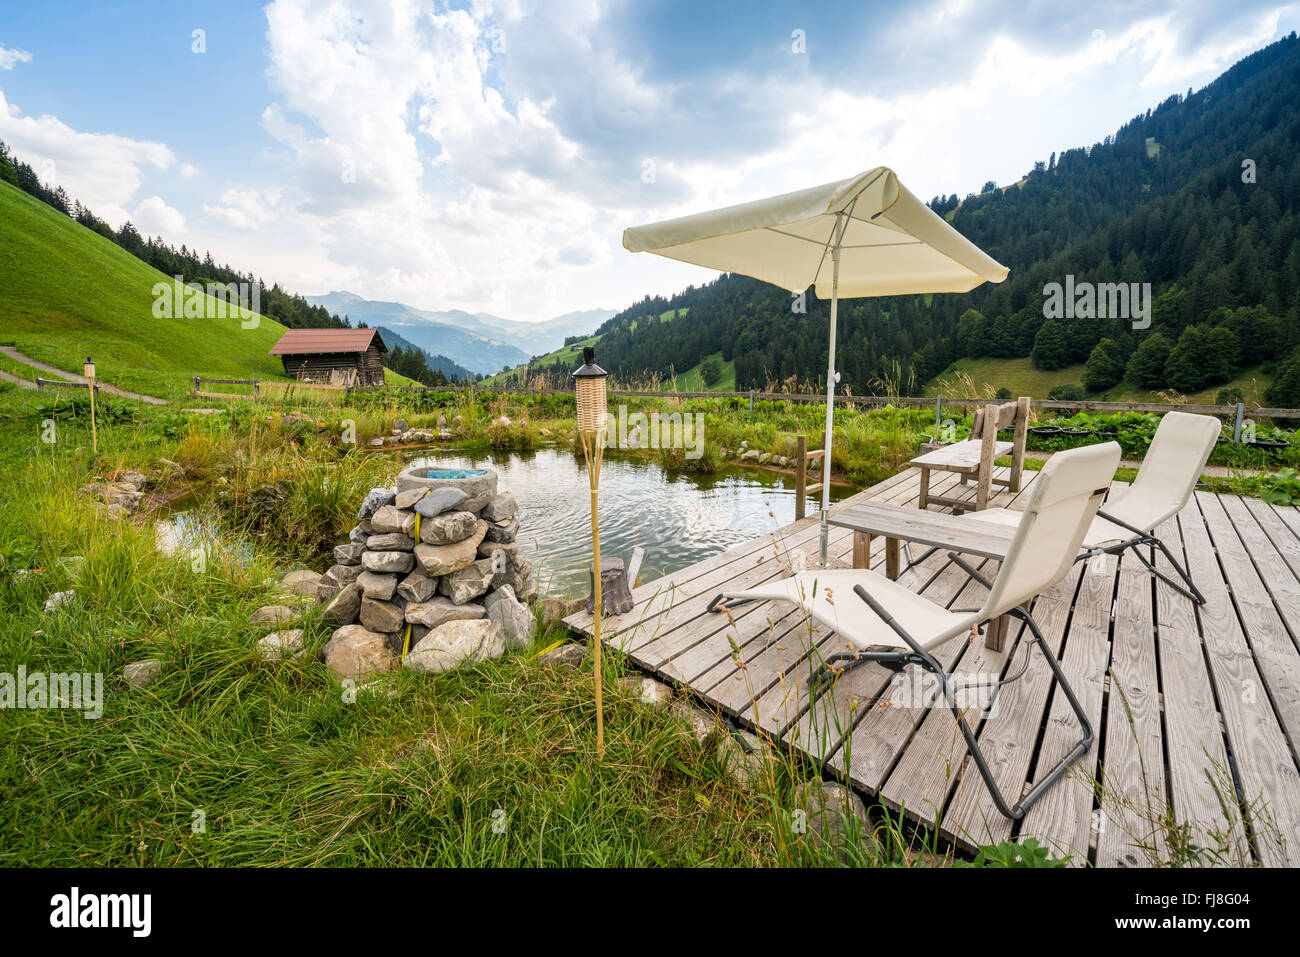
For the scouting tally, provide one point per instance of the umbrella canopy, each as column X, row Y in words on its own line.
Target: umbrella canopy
column 862, row 236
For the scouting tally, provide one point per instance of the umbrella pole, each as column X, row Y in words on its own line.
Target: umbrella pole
column 830, row 406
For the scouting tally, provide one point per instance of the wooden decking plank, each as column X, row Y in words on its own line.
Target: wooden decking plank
column 1133, row 760
column 1063, row 817
column 1199, row 777
column 1275, row 573
column 1260, row 751
column 1279, row 662
column 1284, row 536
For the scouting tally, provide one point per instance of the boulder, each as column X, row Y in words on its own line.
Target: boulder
column 439, row 610
column 346, row 605
column 358, row 536
column 517, row 622
column 350, row 554
column 503, row 531
column 649, row 691
column 439, row 560
column 390, row 542
column 376, row 499
column 343, row 574
column 455, row 643
column 745, row 758
column 509, row 552
column 417, row 586
column 835, row 817
column 279, row 645
column 272, row 615
column 301, row 582
column 392, row 519
column 501, row 508
column 702, row 724
column 469, row 582
column 398, row 563
column 448, row 528
column 358, row 653
column 438, row 500
column 408, row 497
column 765, row 458
column 382, row 616
column 60, row 598
column 568, row 655
column 751, row 455
column 400, row 425
column 138, row 674
column 377, row 586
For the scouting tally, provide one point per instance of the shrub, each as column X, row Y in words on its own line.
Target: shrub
column 1069, row 392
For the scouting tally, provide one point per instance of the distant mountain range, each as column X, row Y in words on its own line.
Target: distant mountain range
column 439, row 363
column 478, row 341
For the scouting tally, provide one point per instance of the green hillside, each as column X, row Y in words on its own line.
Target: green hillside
column 68, row 293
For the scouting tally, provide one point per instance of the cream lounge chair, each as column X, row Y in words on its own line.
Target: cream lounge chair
column 1164, row 484
column 895, row 627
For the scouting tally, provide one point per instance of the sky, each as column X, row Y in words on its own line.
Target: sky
column 487, row 156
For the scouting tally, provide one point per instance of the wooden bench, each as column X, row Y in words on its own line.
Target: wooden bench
column 898, row 524
column 974, row 457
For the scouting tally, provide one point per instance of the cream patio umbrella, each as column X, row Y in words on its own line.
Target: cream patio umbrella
column 862, row 236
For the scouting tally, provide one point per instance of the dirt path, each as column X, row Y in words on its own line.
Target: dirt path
column 1214, row 471
column 21, row 383
column 14, row 354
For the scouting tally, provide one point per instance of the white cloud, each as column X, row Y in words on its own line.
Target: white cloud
column 188, row 171
column 102, row 170
column 10, row 58
column 244, row 208
column 153, row 217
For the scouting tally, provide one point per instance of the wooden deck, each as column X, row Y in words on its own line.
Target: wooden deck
column 1196, row 710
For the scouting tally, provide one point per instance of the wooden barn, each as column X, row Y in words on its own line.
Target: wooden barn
column 336, row 356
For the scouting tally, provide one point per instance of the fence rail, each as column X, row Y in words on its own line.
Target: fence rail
column 937, row 402
column 60, row 384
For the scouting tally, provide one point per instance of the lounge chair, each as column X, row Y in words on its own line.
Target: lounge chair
column 895, row 627
column 1164, row 484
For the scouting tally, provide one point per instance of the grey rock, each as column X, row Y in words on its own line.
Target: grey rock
column 448, row 528
column 343, row 574
column 701, row 723
column 327, row 589
column 346, row 605
column 134, row 479
column 439, row 500
column 417, row 586
column 745, row 758
column 648, row 691
column 469, row 582
column 390, row 518
column 376, row 442
column 408, row 497
column 765, row 458
column 835, row 816
column 350, row 554
column 439, row 610
column 301, row 582
column 377, row 586
column 375, row 499
column 400, row 425
column 750, row 455
column 390, row 542
column 566, row 656
column 279, row 645
column 388, row 562
column 383, row 616
column 501, row 508
column 509, row 552
column 272, row 615
column 358, row 653
column 60, row 598
column 456, row 643
column 141, row 673
column 357, row 536
column 503, row 531
column 517, row 622
column 439, row 560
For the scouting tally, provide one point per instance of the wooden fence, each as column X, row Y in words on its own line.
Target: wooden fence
column 257, row 384
column 60, row 384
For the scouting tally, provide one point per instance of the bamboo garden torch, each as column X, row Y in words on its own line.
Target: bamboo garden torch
column 589, row 382
column 89, row 372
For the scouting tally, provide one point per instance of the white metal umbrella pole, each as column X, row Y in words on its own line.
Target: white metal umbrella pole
column 830, row 404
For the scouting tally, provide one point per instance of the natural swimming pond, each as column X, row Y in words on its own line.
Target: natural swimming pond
column 678, row 518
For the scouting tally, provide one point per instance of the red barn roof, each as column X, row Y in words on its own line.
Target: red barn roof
column 316, row 341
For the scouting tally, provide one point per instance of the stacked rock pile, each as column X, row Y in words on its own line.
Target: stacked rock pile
column 435, row 570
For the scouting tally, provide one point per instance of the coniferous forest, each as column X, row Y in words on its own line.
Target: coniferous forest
column 1199, row 196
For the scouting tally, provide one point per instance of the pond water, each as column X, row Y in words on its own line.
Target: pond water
column 678, row 518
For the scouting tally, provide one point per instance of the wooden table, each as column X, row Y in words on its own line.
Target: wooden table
column 898, row 524
column 964, row 458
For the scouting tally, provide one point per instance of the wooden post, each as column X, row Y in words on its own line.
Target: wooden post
column 196, row 385
column 801, row 478
column 1241, row 414
column 1018, row 448
column 751, row 400
column 90, row 384
column 861, row 549
column 893, row 559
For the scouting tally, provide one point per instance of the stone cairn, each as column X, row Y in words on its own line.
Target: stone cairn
column 453, row 592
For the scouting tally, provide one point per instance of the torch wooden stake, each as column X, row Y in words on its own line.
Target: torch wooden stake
column 593, row 450
column 89, row 371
